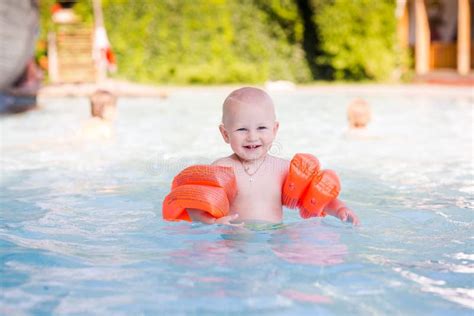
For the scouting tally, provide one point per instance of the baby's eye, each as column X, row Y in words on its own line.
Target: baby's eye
column 262, row 127
column 242, row 129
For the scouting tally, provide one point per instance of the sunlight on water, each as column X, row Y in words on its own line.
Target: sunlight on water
column 81, row 229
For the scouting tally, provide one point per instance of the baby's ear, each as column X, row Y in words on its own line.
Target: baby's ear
column 224, row 133
column 275, row 127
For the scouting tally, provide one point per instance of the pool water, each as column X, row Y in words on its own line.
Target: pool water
column 81, row 229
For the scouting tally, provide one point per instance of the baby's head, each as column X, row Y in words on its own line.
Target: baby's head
column 249, row 123
column 103, row 105
column 358, row 113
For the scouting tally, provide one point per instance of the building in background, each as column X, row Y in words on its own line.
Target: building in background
column 440, row 33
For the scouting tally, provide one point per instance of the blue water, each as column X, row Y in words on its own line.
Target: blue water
column 81, row 229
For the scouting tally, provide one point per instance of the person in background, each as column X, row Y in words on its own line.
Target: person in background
column 358, row 114
column 358, row 117
column 103, row 112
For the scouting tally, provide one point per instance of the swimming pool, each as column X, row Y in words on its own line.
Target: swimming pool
column 81, row 229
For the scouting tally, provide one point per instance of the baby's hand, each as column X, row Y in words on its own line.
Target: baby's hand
column 346, row 214
column 227, row 220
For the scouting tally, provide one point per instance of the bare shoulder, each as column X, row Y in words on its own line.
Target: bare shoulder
column 225, row 161
column 279, row 161
column 279, row 164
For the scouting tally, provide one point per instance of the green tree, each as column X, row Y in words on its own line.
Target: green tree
column 357, row 37
column 246, row 41
column 213, row 41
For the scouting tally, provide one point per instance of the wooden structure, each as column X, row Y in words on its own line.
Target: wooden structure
column 77, row 53
column 70, row 54
column 439, row 31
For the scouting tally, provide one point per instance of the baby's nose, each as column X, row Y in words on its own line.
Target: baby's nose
column 252, row 136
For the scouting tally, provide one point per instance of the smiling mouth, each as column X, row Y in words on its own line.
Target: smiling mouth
column 252, row 146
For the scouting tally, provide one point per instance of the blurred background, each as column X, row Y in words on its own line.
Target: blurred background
column 230, row 42
column 211, row 42
column 215, row 41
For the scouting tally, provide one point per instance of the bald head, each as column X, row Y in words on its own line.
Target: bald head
column 358, row 113
column 245, row 97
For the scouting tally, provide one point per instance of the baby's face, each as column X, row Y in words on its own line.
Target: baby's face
column 110, row 113
column 250, row 129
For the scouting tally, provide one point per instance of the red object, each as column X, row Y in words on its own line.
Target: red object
column 324, row 188
column 55, row 8
column 109, row 54
column 309, row 188
column 303, row 167
column 202, row 187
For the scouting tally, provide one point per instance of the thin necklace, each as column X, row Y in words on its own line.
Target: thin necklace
column 246, row 168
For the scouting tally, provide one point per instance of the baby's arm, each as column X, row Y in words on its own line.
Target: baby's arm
column 204, row 217
column 200, row 216
column 338, row 209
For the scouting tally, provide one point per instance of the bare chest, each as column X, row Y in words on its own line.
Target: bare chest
column 259, row 195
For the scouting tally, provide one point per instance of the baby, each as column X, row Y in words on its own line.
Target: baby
column 103, row 112
column 249, row 125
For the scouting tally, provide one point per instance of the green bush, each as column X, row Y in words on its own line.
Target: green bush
column 246, row 41
column 357, row 38
column 212, row 41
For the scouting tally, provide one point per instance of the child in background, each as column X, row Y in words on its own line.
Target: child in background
column 358, row 117
column 249, row 126
column 103, row 112
column 358, row 114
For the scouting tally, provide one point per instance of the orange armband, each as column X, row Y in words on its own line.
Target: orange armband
column 202, row 187
column 324, row 188
column 303, row 168
column 309, row 188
